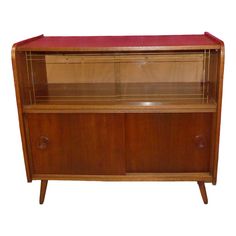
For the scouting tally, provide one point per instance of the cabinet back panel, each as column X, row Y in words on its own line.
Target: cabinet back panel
column 125, row 69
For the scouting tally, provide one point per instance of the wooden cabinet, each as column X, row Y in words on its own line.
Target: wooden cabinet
column 120, row 107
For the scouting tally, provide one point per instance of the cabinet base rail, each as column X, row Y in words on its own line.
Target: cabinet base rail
column 44, row 183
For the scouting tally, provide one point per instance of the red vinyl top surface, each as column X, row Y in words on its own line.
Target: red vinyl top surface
column 92, row 42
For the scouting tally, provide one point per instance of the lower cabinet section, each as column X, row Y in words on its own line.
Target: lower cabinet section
column 77, row 143
column 116, row 144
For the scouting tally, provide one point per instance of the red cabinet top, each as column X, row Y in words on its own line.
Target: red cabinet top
column 120, row 43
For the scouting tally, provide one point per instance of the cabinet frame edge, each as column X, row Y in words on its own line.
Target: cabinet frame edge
column 218, row 112
column 20, row 114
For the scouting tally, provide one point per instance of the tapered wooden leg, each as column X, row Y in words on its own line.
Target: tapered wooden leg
column 43, row 189
column 203, row 191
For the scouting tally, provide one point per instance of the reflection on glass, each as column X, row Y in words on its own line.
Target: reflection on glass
column 154, row 78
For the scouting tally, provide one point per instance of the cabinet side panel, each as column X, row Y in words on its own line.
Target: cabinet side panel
column 220, row 74
column 19, row 70
column 213, row 71
column 38, row 76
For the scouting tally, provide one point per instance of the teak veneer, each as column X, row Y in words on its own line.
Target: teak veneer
column 120, row 108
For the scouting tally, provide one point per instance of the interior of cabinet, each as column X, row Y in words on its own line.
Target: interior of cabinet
column 172, row 77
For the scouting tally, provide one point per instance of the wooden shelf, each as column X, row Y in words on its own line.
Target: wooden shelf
column 120, row 108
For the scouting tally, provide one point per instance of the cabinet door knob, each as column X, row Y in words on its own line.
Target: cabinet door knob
column 43, row 142
column 200, row 141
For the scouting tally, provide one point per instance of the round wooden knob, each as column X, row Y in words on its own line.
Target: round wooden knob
column 200, row 141
column 43, row 142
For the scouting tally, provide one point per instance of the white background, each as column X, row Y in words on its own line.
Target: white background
column 114, row 208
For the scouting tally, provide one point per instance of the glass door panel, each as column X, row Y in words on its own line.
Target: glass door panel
column 104, row 78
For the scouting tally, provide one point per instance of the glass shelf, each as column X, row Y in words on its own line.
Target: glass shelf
column 126, row 92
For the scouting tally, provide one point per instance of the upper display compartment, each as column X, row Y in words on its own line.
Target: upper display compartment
column 121, row 43
column 178, row 73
